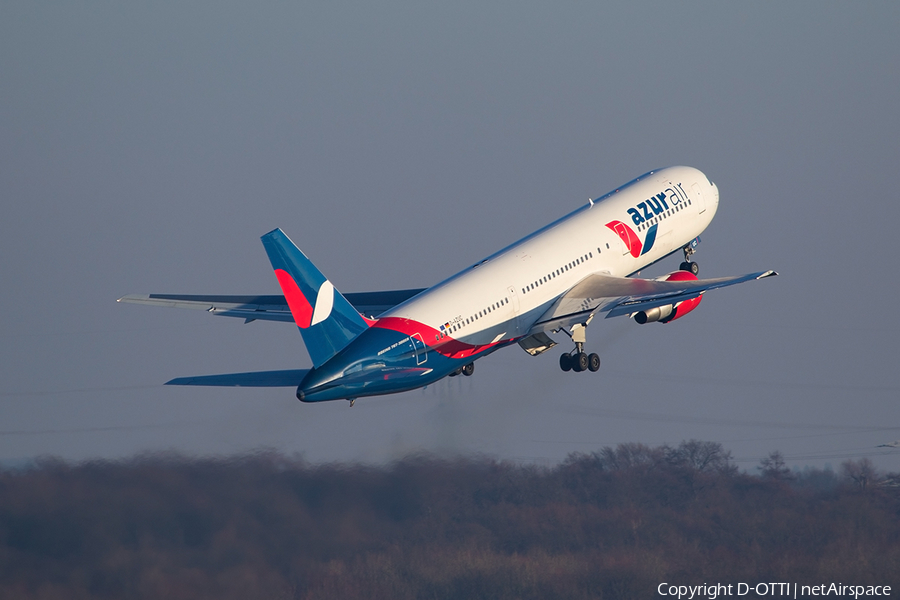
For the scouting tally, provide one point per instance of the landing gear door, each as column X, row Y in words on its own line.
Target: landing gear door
column 419, row 347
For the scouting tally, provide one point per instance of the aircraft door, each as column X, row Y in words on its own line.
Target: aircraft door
column 421, row 351
column 514, row 302
column 698, row 198
column 624, row 234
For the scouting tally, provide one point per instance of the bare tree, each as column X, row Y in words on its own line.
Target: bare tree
column 773, row 467
column 861, row 472
column 704, row 457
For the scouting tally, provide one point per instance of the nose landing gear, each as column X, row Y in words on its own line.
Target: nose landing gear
column 688, row 264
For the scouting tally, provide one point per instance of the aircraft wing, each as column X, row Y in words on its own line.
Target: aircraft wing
column 627, row 295
column 268, row 308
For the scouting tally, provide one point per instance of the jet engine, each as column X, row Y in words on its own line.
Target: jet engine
column 670, row 312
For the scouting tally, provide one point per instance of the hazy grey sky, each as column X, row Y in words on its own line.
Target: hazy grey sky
column 146, row 148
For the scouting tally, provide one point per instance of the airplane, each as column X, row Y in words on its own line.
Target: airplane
column 555, row 280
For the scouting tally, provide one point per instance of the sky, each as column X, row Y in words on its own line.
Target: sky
column 146, row 148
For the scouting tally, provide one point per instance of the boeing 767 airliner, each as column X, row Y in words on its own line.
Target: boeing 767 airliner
column 556, row 280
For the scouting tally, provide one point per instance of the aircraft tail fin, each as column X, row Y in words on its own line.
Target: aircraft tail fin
column 327, row 321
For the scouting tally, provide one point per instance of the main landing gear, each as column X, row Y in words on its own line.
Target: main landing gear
column 689, row 265
column 466, row 370
column 578, row 360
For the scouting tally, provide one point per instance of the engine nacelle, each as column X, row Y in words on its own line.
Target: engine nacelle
column 670, row 312
column 659, row 313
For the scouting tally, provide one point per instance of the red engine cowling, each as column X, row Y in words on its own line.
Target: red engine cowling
column 670, row 312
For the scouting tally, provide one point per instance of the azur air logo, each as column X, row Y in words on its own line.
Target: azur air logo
column 632, row 241
column 642, row 213
column 657, row 204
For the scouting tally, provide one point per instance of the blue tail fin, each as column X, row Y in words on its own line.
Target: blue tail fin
column 326, row 320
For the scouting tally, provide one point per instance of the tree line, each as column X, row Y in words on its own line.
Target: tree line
column 609, row 524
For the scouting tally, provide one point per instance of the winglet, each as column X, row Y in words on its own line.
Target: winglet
column 327, row 321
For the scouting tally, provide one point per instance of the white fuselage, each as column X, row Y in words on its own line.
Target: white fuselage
column 503, row 296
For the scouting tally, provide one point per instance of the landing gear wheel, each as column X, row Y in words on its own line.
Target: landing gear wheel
column 468, row 369
column 593, row 362
column 690, row 267
column 581, row 362
column 456, row 372
column 565, row 362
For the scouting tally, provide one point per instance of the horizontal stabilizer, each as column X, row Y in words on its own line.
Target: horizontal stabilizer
column 267, row 308
column 288, row 378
